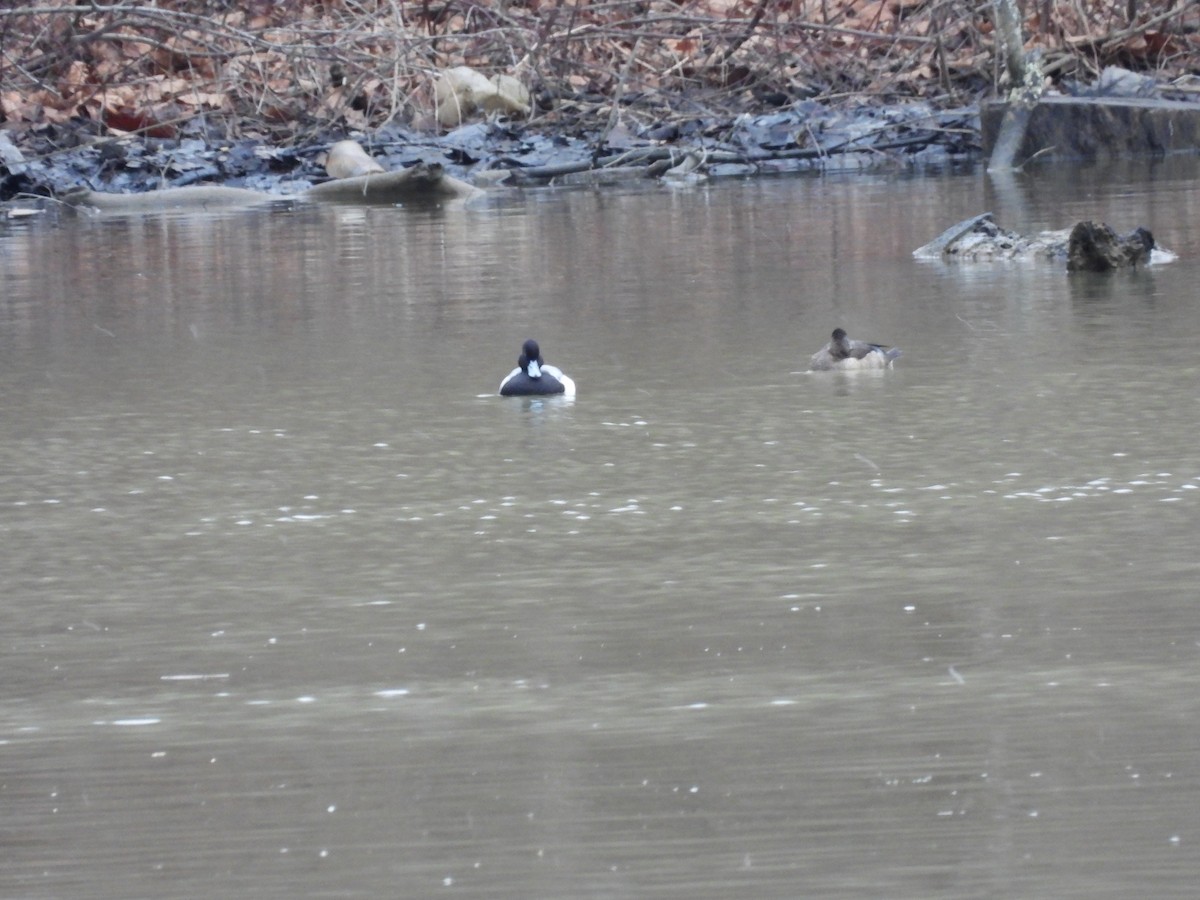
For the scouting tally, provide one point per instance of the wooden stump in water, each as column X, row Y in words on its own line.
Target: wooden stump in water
column 1096, row 247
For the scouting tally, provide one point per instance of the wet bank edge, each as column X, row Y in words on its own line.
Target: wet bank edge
column 55, row 160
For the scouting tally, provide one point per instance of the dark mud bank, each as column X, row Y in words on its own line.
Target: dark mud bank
column 54, row 160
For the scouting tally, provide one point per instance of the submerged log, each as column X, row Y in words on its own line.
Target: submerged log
column 420, row 183
column 199, row 198
column 979, row 239
column 1087, row 247
column 1095, row 247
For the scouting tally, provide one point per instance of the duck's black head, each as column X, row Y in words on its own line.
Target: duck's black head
column 839, row 347
column 530, row 352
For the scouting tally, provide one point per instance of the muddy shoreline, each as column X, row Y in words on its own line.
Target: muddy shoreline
column 54, row 160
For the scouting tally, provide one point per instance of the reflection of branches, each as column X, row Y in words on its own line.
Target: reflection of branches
column 664, row 57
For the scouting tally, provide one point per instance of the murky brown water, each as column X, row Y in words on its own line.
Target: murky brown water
column 294, row 606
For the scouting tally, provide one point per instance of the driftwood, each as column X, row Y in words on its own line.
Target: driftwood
column 199, row 198
column 1087, row 247
column 420, row 183
column 1094, row 247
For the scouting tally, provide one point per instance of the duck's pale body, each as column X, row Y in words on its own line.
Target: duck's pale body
column 843, row 354
column 533, row 378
